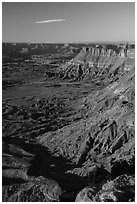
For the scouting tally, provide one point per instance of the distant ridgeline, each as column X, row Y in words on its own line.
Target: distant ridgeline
column 105, row 57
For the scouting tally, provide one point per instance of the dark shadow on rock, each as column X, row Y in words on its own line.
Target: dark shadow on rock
column 49, row 166
column 11, row 181
column 120, row 168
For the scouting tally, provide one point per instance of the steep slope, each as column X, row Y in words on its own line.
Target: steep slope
column 102, row 110
column 104, row 137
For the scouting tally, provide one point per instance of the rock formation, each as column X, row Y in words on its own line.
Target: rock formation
column 95, row 59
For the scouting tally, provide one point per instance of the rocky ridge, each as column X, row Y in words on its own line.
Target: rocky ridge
column 107, row 129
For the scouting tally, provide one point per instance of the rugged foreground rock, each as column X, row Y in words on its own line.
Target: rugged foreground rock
column 36, row 190
column 121, row 189
column 80, row 150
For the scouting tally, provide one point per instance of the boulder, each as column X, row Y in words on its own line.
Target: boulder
column 121, row 189
column 86, row 195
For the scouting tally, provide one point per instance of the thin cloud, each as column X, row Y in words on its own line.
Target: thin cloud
column 50, row 21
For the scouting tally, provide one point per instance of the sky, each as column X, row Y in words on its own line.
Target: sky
column 68, row 21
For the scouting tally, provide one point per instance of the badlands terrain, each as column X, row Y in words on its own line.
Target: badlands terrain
column 68, row 123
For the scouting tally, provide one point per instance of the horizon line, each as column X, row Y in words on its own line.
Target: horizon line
column 96, row 41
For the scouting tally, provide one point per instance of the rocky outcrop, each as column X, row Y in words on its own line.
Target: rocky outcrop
column 86, row 195
column 37, row 190
column 121, row 189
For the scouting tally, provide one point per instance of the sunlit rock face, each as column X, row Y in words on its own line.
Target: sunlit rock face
column 95, row 60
